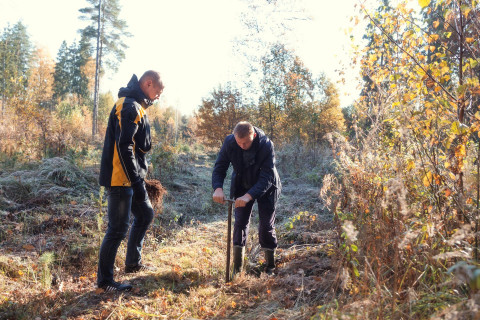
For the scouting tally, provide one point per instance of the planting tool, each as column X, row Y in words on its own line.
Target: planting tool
column 229, row 236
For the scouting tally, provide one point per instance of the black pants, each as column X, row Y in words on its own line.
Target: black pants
column 120, row 205
column 266, row 226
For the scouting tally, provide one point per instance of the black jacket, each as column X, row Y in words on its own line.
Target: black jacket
column 254, row 170
column 127, row 139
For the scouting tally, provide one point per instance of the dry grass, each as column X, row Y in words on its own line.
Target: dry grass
column 187, row 243
column 398, row 235
column 189, row 282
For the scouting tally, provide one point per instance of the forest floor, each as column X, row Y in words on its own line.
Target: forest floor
column 52, row 228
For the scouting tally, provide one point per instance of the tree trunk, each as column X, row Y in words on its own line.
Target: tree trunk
column 4, row 81
column 97, row 73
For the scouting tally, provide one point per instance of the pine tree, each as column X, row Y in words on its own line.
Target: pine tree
column 81, row 54
column 15, row 52
column 71, row 77
column 108, row 31
column 62, row 79
column 82, row 79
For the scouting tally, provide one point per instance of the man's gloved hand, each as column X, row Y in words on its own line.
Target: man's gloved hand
column 139, row 190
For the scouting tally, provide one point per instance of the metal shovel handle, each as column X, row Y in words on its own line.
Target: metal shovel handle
column 229, row 237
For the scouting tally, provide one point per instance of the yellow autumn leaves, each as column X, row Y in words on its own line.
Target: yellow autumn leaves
column 423, row 3
column 430, row 178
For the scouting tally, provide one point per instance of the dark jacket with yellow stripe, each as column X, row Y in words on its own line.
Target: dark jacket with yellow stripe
column 127, row 139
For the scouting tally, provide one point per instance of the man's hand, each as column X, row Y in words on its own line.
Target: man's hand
column 139, row 191
column 243, row 200
column 218, row 196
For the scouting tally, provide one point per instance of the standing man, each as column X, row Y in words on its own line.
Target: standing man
column 122, row 173
column 254, row 177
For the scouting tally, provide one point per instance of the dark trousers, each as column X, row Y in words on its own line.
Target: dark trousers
column 266, row 226
column 120, row 204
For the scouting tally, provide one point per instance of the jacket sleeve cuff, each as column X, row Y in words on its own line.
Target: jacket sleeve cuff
column 136, row 181
column 253, row 194
column 215, row 186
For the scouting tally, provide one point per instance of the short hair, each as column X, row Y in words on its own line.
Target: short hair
column 153, row 75
column 243, row 129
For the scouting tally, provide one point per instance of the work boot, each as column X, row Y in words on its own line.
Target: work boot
column 238, row 257
column 270, row 261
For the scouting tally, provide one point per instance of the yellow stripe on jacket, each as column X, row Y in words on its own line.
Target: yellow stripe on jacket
column 118, row 110
column 119, row 178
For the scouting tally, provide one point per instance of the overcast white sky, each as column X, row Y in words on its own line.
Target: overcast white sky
column 190, row 42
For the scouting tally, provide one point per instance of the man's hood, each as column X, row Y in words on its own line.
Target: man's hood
column 260, row 134
column 132, row 90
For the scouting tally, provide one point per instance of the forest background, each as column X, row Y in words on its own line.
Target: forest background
column 396, row 174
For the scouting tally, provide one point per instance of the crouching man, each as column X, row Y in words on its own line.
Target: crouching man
column 254, row 178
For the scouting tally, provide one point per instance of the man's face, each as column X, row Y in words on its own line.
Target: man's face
column 246, row 142
column 153, row 90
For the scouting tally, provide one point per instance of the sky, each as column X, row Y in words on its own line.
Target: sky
column 192, row 43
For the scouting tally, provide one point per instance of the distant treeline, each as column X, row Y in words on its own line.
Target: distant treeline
column 47, row 104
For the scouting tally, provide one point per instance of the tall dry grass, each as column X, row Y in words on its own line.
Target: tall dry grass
column 29, row 133
column 404, row 249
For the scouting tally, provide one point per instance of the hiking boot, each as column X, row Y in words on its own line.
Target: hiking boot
column 139, row 268
column 270, row 261
column 238, row 258
column 115, row 286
